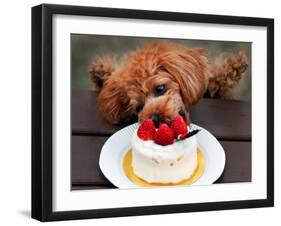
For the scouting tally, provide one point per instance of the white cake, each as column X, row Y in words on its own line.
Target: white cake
column 164, row 164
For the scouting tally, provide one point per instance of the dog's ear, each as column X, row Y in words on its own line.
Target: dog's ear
column 189, row 68
column 113, row 101
column 100, row 70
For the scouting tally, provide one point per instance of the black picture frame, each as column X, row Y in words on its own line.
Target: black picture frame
column 42, row 111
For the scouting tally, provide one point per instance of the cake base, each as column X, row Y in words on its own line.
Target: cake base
column 127, row 167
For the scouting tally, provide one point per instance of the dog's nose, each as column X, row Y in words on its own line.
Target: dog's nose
column 156, row 119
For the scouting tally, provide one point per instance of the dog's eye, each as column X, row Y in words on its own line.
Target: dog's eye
column 139, row 108
column 160, row 90
column 162, row 68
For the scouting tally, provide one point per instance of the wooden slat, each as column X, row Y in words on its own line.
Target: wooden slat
column 227, row 120
column 86, row 150
column 85, row 117
column 90, row 187
column 238, row 164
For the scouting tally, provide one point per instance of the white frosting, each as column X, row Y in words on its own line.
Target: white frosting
column 164, row 164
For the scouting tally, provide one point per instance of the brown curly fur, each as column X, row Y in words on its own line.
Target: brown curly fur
column 226, row 74
column 185, row 72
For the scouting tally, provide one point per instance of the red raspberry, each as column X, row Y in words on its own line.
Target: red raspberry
column 164, row 135
column 179, row 127
column 146, row 130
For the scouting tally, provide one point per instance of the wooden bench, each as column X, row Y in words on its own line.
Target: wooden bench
column 228, row 121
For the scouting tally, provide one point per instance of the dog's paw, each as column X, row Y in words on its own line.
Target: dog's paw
column 226, row 73
column 100, row 70
column 236, row 65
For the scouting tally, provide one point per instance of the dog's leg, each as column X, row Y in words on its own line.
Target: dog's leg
column 100, row 70
column 225, row 74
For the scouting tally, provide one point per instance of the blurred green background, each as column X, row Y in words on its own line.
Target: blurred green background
column 85, row 48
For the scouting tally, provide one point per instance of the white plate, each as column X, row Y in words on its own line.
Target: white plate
column 115, row 148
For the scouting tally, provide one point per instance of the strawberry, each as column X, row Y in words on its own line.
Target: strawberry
column 179, row 127
column 146, row 130
column 164, row 135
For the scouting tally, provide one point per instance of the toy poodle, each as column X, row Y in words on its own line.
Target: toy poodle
column 162, row 80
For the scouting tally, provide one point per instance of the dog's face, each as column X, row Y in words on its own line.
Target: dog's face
column 159, row 81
